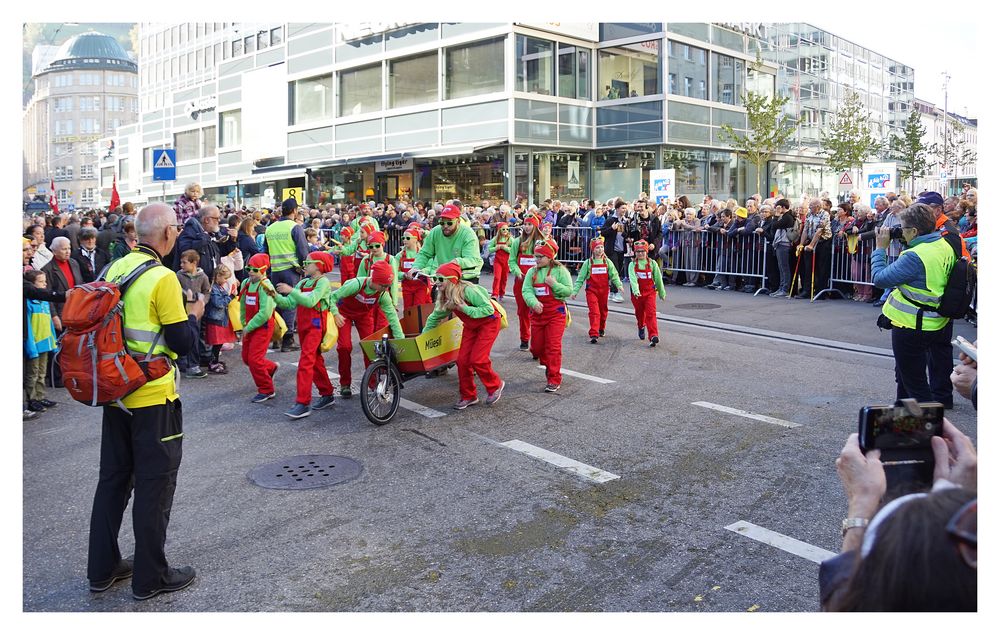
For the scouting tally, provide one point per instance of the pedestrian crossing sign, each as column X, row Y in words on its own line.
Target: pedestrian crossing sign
column 164, row 164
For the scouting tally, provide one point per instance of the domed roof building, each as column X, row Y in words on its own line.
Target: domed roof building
column 91, row 50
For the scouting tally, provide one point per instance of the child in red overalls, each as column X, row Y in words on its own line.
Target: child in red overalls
column 310, row 297
column 376, row 253
column 647, row 283
column 481, row 325
column 356, row 302
column 257, row 315
column 597, row 272
column 546, row 287
column 418, row 290
column 346, row 262
column 523, row 249
column 500, row 245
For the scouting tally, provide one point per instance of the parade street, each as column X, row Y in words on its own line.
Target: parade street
column 636, row 487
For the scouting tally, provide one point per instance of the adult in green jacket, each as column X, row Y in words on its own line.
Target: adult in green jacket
column 450, row 241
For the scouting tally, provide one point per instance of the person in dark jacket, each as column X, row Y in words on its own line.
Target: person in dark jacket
column 109, row 231
column 201, row 233
column 784, row 220
column 91, row 258
column 246, row 240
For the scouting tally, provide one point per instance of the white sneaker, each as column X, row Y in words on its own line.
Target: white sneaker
column 617, row 298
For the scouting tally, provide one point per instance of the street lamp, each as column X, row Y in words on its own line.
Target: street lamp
column 947, row 77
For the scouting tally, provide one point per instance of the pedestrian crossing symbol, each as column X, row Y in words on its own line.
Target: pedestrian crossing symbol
column 164, row 164
column 164, row 161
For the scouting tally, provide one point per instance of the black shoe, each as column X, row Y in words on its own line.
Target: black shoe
column 524, row 346
column 287, row 348
column 642, row 333
column 47, row 403
column 801, row 296
column 534, row 358
column 122, row 572
column 593, row 340
column 322, row 402
column 551, row 387
column 600, row 333
column 177, row 579
column 653, row 341
column 36, row 406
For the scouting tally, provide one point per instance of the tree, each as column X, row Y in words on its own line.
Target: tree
column 960, row 152
column 908, row 149
column 767, row 130
column 851, row 139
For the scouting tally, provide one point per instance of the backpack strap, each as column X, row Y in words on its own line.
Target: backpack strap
column 127, row 281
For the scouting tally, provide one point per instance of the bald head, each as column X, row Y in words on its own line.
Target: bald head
column 153, row 219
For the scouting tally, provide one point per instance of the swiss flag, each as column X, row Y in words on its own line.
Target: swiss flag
column 53, row 202
column 115, row 201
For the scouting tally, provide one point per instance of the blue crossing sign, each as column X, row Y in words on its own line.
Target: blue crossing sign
column 164, row 164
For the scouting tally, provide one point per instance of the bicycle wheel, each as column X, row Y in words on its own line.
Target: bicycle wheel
column 380, row 387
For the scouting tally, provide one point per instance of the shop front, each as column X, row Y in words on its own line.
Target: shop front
column 394, row 180
column 622, row 173
column 472, row 177
column 349, row 184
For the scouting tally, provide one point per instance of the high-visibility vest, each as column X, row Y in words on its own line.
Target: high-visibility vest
column 280, row 246
column 938, row 258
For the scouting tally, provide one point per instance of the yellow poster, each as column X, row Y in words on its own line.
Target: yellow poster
column 292, row 192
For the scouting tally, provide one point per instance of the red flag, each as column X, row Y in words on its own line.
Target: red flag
column 115, row 201
column 53, row 202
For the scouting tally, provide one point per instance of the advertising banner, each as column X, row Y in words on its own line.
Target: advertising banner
column 662, row 185
column 877, row 179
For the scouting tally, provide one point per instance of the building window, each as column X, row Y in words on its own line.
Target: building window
column 310, row 99
column 631, row 70
column 231, row 128
column 65, row 104
column 413, row 80
column 574, row 72
column 248, row 44
column 728, row 75
column 237, row 48
column 147, row 161
column 64, row 127
column 689, row 63
column 187, row 145
column 107, row 176
column 763, row 83
column 208, row 142
column 534, row 65
column 474, row 69
column 277, row 36
column 361, row 90
column 86, row 171
column 263, row 40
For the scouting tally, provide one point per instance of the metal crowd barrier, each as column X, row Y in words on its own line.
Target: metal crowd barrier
column 712, row 253
column 856, row 268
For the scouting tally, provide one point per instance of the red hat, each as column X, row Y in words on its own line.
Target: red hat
column 545, row 249
column 322, row 259
column 553, row 244
column 415, row 226
column 363, row 206
column 502, row 225
column 376, row 237
column 416, row 233
column 450, row 270
column 532, row 220
column 346, row 231
column 368, row 226
column 547, row 224
column 450, row 211
column 259, row 261
column 381, row 273
column 640, row 244
column 597, row 242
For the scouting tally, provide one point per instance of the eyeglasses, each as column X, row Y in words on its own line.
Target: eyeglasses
column 962, row 529
column 448, row 223
column 408, row 238
column 374, row 245
column 262, row 269
column 439, row 279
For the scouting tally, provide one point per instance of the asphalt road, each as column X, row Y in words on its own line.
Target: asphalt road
column 444, row 517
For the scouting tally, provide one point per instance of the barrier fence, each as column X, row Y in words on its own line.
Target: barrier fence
column 738, row 260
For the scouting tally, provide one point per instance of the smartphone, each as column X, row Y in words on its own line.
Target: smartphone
column 904, row 442
column 965, row 346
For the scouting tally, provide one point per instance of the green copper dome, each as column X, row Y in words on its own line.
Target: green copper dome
column 91, row 50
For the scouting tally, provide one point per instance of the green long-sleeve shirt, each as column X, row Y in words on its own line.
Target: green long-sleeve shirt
column 477, row 305
column 396, row 290
column 562, row 289
column 515, row 253
column 265, row 304
column 505, row 246
column 315, row 298
column 462, row 247
column 354, row 286
column 351, row 246
column 657, row 278
column 356, row 223
column 397, row 261
column 584, row 275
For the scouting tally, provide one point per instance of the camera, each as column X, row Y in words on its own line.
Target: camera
column 896, row 233
column 902, row 433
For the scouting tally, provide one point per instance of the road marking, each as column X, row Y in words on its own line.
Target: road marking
column 573, row 373
column 748, row 415
column 329, row 373
column 780, row 541
column 580, row 469
column 430, row 413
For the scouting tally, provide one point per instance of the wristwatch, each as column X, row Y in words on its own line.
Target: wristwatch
column 852, row 523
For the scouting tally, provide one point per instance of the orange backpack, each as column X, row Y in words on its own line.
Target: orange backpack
column 97, row 367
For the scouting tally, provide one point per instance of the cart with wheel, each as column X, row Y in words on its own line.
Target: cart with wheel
column 396, row 361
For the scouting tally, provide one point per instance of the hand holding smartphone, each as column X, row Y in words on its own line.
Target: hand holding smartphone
column 903, row 437
column 966, row 347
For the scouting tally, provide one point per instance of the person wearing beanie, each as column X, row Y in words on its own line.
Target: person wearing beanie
column 449, row 241
column 646, row 283
column 376, row 253
column 257, row 316
column 598, row 273
column 346, row 263
column 285, row 244
column 500, row 245
column 357, row 248
column 547, row 285
column 523, row 249
column 356, row 302
column 481, row 324
column 310, row 298
column 414, row 290
column 364, row 217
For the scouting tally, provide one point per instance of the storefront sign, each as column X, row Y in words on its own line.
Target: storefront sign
column 878, row 179
column 292, row 192
column 393, row 165
column 572, row 175
column 662, row 184
column 195, row 108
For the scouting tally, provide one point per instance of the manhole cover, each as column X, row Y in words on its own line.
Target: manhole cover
column 698, row 305
column 305, row 472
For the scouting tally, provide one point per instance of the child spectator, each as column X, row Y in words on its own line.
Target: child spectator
column 39, row 341
column 218, row 330
column 196, row 286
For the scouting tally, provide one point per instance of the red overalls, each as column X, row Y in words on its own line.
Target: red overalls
column 255, row 343
column 359, row 255
column 478, row 335
column 645, row 303
column 598, row 286
column 501, row 268
column 380, row 320
column 347, row 268
column 311, row 324
column 416, row 291
column 547, row 331
column 356, row 310
column 524, row 314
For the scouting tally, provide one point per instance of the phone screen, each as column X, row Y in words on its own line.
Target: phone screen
column 892, row 427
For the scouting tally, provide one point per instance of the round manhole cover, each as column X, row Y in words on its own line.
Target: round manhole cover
column 699, row 305
column 305, row 472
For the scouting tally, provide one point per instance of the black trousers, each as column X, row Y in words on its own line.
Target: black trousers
column 291, row 278
column 822, row 260
column 141, row 450
column 923, row 364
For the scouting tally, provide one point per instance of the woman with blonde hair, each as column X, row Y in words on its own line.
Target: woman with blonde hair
column 480, row 318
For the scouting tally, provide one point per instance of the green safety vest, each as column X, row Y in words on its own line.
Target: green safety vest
column 938, row 258
column 280, row 246
column 140, row 332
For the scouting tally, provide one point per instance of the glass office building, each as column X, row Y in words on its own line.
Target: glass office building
column 486, row 111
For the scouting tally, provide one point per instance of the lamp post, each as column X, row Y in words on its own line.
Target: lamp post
column 945, row 161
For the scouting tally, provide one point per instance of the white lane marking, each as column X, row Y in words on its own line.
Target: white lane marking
column 430, row 413
column 580, row 469
column 329, row 373
column 54, row 431
column 748, row 415
column 573, row 373
column 780, row 541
